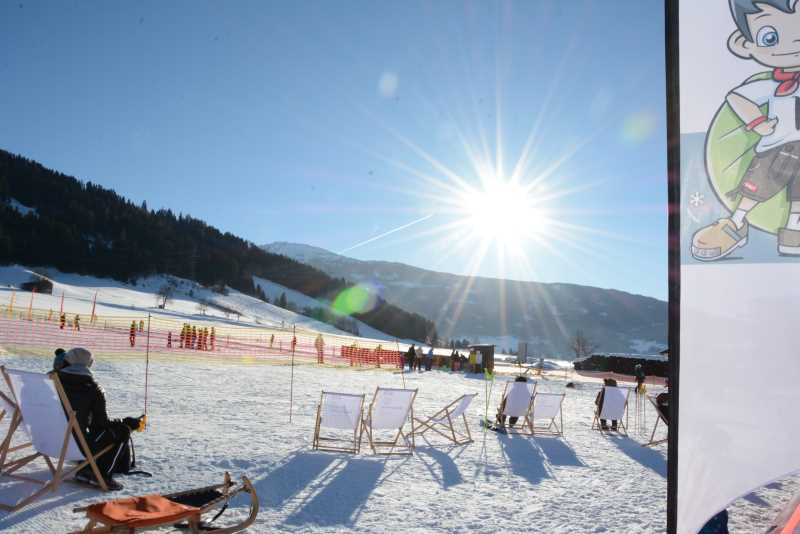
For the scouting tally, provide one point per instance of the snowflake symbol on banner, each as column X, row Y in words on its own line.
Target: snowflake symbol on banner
column 697, row 199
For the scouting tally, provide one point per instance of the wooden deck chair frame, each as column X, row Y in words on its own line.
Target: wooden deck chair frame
column 622, row 427
column 526, row 428
column 653, row 442
column 553, row 428
column 16, row 418
column 96, row 526
column 58, row 472
column 330, row 444
column 447, row 429
column 408, row 445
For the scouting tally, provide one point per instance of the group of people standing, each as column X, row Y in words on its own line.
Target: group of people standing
column 417, row 358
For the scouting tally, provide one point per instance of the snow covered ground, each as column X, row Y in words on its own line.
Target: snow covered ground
column 208, row 416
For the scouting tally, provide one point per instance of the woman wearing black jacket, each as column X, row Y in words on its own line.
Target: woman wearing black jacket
column 89, row 402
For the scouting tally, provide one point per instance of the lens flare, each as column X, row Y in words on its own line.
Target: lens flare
column 357, row 299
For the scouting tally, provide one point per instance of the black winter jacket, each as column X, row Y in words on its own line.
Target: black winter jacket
column 89, row 402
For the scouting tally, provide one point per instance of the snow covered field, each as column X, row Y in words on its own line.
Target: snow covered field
column 208, row 416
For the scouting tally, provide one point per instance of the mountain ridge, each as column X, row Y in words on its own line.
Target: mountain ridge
column 544, row 314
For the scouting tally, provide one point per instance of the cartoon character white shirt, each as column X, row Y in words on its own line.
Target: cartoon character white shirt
column 785, row 108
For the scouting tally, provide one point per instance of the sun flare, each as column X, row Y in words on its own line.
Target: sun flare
column 504, row 212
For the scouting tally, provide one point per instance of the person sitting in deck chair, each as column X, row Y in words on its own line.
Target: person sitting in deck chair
column 662, row 401
column 501, row 419
column 599, row 402
column 89, row 402
column 58, row 359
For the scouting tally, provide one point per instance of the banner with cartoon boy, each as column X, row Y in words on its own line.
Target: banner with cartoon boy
column 740, row 251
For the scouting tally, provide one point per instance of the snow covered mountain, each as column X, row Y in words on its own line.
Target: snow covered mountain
column 545, row 315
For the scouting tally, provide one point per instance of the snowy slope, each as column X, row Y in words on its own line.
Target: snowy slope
column 273, row 291
column 121, row 299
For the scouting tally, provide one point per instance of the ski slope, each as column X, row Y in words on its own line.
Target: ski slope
column 115, row 298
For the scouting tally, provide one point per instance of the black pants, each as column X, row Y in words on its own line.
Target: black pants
column 115, row 435
column 604, row 423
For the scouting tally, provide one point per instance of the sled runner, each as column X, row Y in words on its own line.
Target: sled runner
column 136, row 514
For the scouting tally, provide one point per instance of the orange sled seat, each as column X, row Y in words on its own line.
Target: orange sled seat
column 140, row 512
column 183, row 509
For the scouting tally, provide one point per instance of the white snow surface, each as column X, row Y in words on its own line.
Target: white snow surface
column 207, row 416
column 21, row 208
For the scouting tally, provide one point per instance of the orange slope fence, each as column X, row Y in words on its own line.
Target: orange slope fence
column 45, row 330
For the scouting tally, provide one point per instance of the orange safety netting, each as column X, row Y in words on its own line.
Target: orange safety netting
column 47, row 329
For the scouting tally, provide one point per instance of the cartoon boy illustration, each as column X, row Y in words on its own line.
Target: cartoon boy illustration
column 768, row 32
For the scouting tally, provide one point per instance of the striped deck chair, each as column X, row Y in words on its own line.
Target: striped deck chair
column 614, row 407
column 54, row 436
column 389, row 410
column 443, row 421
column 548, row 407
column 342, row 413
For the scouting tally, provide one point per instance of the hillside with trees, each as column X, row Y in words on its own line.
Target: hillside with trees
column 48, row 218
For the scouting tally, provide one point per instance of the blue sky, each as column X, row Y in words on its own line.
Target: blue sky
column 330, row 123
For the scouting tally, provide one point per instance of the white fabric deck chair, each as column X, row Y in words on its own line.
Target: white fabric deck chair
column 389, row 410
column 9, row 408
column 341, row 412
column 443, row 421
column 614, row 407
column 518, row 397
column 43, row 404
column 660, row 418
column 548, row 407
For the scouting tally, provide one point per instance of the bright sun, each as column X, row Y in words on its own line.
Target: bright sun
column 503, row 212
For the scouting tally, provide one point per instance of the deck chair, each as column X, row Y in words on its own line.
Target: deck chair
column 518, row 398
column 547, row 406
column 443, row 421
column 341, row 412
column 136, row 514
column 54, row 435
column 660, row 418
column 9, row 408
column 389, row 410
column 614, row 407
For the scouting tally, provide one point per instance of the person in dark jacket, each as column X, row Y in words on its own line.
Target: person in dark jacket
column 638, row 372
column 662, row 401
column 58, row 360
column 89, row 402
column 599, row 402
column 410, row 355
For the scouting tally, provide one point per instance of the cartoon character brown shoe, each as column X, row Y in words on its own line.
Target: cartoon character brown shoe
column 789, row 242
column 718, row 240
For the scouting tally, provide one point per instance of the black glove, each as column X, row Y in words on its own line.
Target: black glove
column 132, row 422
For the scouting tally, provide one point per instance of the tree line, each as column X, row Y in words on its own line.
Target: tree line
column 85, row 228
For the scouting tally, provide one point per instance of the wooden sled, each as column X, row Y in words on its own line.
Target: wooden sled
column 136, row 514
